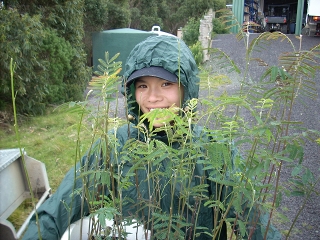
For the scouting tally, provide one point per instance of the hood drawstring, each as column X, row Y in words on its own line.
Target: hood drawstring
column 130, row 117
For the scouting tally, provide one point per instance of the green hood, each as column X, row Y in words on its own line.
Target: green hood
column 168, row 52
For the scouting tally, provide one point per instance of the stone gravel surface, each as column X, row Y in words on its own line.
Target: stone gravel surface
column 308, row 111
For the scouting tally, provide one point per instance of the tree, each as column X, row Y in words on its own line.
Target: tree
column 175, row 14
column 95, row 18
column 144, row 14
column 119, row 14
column 191, row 31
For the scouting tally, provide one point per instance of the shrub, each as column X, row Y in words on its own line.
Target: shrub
column 67, row 20
column 22, row 39
column 191, row 31
column 59, row 53
column 49, row 68
column 218, row 26
column 197, row 52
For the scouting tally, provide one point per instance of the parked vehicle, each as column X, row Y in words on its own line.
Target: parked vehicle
column 312, row 26
column 277, row 18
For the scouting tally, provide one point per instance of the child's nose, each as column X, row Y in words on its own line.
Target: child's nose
column 154, row 95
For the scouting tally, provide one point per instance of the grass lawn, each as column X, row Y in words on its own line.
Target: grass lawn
column 50, row 138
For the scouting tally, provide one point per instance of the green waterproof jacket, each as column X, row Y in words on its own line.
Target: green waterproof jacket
column 172, row 54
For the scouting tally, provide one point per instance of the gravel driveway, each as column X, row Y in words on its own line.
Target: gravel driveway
column 308, row 224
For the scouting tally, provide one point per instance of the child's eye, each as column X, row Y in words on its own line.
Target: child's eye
column 166, row 84
column 141, row 86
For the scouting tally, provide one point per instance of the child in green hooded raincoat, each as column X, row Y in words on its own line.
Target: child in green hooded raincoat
column 159, row 82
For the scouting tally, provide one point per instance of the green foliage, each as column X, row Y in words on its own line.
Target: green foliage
column 196, row 9
column 169, row 15
column 67, row 20
column 108, row 66
column 197, row 52
column 96, row 14
column 144, row 14
column 22, row 39
column 218, row 27
column 48, row 51
column 219, row 4
column 119, row 14
column 227, row 20
column 191, row 31
column 59, row 53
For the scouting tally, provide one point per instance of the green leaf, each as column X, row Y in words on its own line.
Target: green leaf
column 307, row 177
column 242, row 227
column 297, row 193
column 296, row 170
column 278, row 199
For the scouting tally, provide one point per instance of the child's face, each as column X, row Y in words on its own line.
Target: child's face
column 153, row 92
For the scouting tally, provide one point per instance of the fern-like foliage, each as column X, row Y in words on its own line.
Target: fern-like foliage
column 108, row 66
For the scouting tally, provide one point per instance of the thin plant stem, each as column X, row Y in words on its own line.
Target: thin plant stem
column 16, row 128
